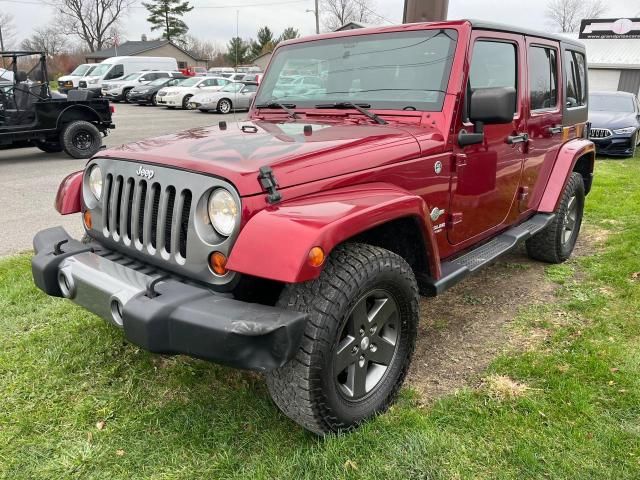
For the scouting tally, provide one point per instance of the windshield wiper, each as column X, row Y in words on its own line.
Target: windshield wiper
column 284, row 106
column 361, row 107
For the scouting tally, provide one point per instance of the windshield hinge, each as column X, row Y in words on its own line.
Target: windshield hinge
column 269, row 184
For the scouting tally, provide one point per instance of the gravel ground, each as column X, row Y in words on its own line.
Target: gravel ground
column 29, row 178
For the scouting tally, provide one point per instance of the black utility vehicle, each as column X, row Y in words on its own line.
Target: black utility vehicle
column 30, row 115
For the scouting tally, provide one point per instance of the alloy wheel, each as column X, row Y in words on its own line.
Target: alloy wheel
column 570, row 219
column 367, row 345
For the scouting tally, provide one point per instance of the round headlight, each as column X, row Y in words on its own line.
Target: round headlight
column 223, row 211
column 95, row 181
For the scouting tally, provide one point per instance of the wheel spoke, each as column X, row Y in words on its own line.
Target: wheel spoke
column 381, row 351
column 382, row 311
column 359, row 315
column 359, row 385
column 344, row 354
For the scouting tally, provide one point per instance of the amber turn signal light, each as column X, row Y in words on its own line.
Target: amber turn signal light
column 218, row 263
column 316, row 257
column 88, row 222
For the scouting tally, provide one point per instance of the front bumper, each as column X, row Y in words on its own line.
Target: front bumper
column 139, row 97
column 162, row 314
column 112, row 94
column 174, row 101
column 615, row 145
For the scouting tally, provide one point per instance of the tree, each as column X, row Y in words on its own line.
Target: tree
column 201, row 49
column 7, row 30
column 166, row 15
column 94, row 22
column 46, row 39
column 238, row 51
column 289, row 34
column 338, row 12
column 566, row 15
column 264, row 43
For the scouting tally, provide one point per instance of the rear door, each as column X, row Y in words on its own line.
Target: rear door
column 486, row 179
column 545, row 118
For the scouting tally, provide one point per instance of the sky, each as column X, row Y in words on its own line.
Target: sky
column 215, row 20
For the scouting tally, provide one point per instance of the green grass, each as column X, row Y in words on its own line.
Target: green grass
column 63, row 370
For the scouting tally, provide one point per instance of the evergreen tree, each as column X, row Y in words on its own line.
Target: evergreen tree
column 237, row 51
column 264, row 43
column 166, row 15
column 289, row 34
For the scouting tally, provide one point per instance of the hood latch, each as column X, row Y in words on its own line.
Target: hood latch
column 269, row 184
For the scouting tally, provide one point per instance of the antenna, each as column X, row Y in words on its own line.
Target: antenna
column 235, row 93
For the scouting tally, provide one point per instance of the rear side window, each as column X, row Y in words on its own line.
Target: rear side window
column 493, row 65
column 543, row 78
column 575, row 66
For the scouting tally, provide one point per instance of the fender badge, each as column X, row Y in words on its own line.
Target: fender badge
column 437, row 167
column 435, row 214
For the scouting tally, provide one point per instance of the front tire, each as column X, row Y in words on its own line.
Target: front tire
column 185, row 102
column 555, row 243
column 81, row 139
column 125, row 95
column 357, row 344
column 154, row 100
column 224, row 106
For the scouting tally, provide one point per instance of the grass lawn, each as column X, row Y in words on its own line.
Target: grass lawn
column 78, row 402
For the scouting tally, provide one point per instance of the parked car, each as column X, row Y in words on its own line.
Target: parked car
column 219, row 71
column 32, row 116
column 252, row 78
column 117, row 67
column 147, row 94
column 71, row 81
column 200, row 71
column 234, row 96
column 615, row 122
column 116, row 90
column 298, row 243
column 180, row 95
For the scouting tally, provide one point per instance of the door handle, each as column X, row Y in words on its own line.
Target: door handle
column 555, row 130
column 519, row 138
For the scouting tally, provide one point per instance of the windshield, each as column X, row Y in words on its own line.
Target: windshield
column 101, row 69
column 159, row 81
column 611, row 103
column 131, row 76
column 81, row 70
column 232, row 87
column 386, row 71
column 191, row 82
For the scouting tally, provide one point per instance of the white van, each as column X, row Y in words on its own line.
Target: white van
column 69, row 82
column 117, row 67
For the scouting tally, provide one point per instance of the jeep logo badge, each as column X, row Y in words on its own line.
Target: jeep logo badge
column 145, row 172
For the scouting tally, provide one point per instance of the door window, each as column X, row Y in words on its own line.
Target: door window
column 576, row 81
column 543, row 78
column 116, row 72
column 494, row 65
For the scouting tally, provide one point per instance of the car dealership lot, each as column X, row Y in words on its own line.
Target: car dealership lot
column 29, row 178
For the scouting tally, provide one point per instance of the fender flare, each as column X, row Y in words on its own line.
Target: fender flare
column 275, row 243
column 84, row 110
column 562, row 169
column 69, row 195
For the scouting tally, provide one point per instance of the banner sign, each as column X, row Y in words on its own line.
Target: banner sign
column 606, row 28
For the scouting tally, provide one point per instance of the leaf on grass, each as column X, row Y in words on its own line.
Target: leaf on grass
column 614, row 370
column 350, row 465
column 635, row 276
column 120, row 453
column 502, row 387
column 101, row 424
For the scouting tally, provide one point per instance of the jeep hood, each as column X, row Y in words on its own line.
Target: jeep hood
column 237, row 152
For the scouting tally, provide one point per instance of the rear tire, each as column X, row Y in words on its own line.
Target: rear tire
column 81, row 139
column 154, row 100
column 224, row 106
column 555, row 243
column 357, row 344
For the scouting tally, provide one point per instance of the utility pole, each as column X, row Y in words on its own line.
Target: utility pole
column 317, row 12
column 2, row 44
column 425, row 10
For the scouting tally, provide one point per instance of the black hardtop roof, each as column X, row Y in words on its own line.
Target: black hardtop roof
column 18, row 53
column 501, row 27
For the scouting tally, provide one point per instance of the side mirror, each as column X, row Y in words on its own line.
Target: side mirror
column 492, row 105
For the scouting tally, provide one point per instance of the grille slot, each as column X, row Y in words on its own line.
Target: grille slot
column 148, row 216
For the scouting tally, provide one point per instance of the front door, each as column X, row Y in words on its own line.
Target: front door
column 486, row 179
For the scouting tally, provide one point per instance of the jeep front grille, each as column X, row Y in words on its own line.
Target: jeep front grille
column 160, row 217
column 600, row 133
column 147, row 215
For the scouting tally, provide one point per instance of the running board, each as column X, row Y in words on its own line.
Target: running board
column 455, row 270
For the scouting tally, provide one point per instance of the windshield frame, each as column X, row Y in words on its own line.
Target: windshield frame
column 422, row 35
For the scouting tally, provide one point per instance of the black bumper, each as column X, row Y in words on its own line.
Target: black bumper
column 614, row 146
column 169, row 317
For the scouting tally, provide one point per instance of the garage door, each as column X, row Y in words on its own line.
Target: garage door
column 629, row 81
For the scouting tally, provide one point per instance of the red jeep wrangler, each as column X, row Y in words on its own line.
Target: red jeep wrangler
column 297, row 242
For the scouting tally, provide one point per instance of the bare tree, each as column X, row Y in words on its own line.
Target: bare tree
column 201, row 49
column 566, row 15
column 336, row 13
column 94, row 22
column 46, row 39
column 7, row 30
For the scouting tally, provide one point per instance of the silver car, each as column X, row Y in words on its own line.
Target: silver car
column 234, row 96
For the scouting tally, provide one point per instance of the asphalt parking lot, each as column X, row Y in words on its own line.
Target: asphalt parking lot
column 29, row 178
